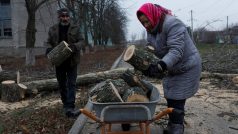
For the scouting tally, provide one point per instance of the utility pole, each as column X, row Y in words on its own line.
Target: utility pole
column 192, row 20
column 192, row 24
column 227, row 31
column 227, row 23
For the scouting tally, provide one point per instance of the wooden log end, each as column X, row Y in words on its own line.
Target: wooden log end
column 235, row 80
column 7, row 82
column 66, row 45
column 129, row 53
column 137, row 98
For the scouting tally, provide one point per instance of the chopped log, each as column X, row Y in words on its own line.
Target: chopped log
column 82, row 80
column 8, row 75
column 59, row 53
column 137, row 82
column 12, row 92
column 116, row 91
column 105, row 94
column 235, row 80
column 140, row 59
column 135, row 94
column 137, row 98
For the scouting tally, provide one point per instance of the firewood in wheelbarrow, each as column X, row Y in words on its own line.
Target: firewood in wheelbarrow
column 107, row 93
column 59, row 53
column 134, row 80
column 119, row 84
column 139, row 58
column 135, row 94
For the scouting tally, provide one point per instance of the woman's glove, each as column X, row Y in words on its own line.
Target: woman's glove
column 156, row 70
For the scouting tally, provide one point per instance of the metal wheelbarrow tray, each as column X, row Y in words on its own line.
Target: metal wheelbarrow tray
column 126, row 112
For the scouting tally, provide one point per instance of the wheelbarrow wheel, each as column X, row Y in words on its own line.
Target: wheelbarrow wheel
column 125, row 127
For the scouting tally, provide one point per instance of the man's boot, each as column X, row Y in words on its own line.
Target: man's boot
column 72, row 112
column 175, row 128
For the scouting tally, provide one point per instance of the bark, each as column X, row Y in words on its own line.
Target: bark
column 82, row 80
column 12, row 92
column 31, row 6
column 30, row 39
column 30, row 57
column 59, row 54
column 106, row 93
column 140, row 59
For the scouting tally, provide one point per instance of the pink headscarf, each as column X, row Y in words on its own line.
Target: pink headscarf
column 153, row 12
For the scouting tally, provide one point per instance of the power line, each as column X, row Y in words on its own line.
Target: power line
column 132, row 5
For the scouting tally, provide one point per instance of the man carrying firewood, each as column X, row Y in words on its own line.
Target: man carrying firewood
column 66, row 72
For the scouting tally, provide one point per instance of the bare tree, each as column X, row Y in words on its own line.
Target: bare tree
column 32, row 6
column 103, row 20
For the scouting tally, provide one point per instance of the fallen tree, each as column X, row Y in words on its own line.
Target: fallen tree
column 82, row 80
column 92, row 78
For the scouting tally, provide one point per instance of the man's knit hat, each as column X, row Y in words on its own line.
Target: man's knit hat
column 63, row 11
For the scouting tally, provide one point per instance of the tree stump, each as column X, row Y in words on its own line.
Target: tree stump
column 12, row 92
column 135, row 94
column 140, row 59
column 59, row 54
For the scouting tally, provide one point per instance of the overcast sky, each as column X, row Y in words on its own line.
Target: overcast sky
column 212, row 12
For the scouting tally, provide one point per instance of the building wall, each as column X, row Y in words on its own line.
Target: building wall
column 45, row 17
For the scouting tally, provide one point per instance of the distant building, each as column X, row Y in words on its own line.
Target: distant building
column 226, row 36
column 13, row 21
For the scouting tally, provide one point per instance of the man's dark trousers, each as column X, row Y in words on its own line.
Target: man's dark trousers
column 66, row 75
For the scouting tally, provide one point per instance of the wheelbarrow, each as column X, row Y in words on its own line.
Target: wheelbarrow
column 143, row 113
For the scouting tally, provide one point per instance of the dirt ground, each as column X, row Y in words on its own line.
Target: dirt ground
column 213, row 110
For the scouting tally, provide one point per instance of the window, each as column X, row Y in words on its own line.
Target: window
column 5, row 19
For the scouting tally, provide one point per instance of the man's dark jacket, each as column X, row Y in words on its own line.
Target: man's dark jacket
column 74, row 37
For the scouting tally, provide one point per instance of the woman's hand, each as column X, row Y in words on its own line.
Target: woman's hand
column 155, row 70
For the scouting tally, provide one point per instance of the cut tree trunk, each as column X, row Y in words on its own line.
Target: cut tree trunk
column 59, row 54
column 140, row 59
column 82, row 80
column 8, row 75
column 12, row 92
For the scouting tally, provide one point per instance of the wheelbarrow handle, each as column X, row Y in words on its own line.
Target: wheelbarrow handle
column 90, row 115
column 162, row 113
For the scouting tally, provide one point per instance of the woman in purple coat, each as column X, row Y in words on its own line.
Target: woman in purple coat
column 179, row 58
